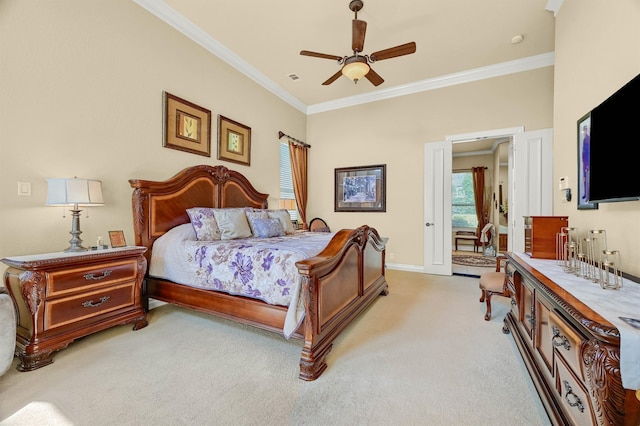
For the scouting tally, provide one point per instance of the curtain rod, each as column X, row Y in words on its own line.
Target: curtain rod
column 299, row 142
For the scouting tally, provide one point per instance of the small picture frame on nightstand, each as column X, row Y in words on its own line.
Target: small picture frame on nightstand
column 117, row 239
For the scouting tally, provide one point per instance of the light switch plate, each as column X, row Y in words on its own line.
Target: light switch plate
column 563, row 183
column 24, row 189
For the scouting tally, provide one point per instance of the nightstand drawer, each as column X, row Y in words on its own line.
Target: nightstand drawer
column 87, row 305
column 86, row 277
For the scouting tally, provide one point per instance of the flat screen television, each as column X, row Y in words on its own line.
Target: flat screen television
column 612, row 145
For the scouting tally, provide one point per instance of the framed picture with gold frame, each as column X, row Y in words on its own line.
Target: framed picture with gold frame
column 234, row 141
column 187, row 126
column 116, row 238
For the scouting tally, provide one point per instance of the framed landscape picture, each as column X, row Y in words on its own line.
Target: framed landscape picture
column 360, row 189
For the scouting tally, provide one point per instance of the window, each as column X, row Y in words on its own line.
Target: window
column 463, row 204
column 287, row 197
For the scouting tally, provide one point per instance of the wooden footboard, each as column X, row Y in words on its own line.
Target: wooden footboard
column 338, row 284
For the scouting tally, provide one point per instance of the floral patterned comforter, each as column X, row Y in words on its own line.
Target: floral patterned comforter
column 260, row 268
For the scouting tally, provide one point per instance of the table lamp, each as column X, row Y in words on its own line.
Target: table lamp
column 76, row 193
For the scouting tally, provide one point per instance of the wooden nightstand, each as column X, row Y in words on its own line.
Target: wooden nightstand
column 63, row 296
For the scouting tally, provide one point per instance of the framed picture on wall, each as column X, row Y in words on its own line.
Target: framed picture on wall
column 584, row 161
column 234, row 141
column 187, row 126
column 361, row 189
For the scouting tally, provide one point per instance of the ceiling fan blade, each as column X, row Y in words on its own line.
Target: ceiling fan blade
column 320, row 55
column 374, row 77
column 333, row 78
column 358, row 31
column 392, row 52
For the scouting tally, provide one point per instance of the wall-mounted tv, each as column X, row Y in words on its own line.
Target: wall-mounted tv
column 614, row 140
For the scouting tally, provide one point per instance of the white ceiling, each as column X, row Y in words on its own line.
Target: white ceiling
column 457, row 40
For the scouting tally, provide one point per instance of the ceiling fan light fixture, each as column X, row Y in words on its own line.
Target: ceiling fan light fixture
column 355, row 68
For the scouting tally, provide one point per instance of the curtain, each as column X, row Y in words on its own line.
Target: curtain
column 478, row 195
column 298, row 154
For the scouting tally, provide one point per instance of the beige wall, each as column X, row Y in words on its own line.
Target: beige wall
column 81, row 95
column 597, row 52
column 394, row 132
column 81, row 89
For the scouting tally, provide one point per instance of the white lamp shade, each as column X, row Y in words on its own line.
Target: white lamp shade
column 67, row 192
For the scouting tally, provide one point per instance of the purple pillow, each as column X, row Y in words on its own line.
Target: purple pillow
column 267, row 228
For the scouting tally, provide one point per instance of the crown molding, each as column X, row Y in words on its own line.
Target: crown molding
column 496, row 70
column 169, row 15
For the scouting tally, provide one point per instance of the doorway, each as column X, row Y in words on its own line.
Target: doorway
column 473, row 257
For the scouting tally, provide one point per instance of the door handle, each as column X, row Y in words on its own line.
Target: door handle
column 429, row 224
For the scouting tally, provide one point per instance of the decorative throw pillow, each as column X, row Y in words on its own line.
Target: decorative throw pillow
column 267, row 228
column 255, row 214
column 283, row 216
column 204, row 223
column 232, row 223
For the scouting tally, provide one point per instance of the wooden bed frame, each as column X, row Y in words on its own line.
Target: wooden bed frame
column 337, row 285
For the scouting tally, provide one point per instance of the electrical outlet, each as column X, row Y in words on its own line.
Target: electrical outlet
column 392, row 256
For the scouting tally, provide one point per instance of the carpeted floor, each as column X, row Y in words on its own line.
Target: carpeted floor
column 423, row 355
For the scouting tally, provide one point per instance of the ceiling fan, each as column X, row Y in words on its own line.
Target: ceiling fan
column 357, row 65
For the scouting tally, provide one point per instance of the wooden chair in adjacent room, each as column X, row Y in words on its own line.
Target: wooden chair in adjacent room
column 493, row 283
column 318, row 225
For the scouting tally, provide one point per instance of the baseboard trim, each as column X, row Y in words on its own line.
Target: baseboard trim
column 403, row 267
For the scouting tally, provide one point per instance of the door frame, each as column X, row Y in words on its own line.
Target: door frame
column 433, row 263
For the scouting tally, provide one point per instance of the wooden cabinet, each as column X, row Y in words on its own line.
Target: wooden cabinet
column 570, row 351
column 540, row 235
column 63, row 296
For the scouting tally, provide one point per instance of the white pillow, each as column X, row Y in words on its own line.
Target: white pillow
column 283, row 216
column 232, row 223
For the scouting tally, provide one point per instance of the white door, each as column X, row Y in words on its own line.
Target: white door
column 531, row 190
column 437, row 208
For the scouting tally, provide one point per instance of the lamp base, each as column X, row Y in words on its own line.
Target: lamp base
column 75, row 241
column 75, row 249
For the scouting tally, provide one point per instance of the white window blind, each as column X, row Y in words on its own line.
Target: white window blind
column 286, row 182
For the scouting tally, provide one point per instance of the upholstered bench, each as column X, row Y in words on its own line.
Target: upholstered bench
column 466, row 236
column 7, row 331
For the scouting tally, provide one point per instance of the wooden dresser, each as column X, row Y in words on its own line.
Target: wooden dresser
column 540, row 235
column 63, row 296
column 571, row 352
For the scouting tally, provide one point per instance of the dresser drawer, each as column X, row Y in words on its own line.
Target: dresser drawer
column 85, row 277
column 573, row 396
column 87, row 305
column 566, row 342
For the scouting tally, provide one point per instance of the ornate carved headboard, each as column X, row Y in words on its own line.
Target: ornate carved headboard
column 160, row 206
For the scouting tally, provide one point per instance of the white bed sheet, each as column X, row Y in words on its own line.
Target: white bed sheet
column 261, row 268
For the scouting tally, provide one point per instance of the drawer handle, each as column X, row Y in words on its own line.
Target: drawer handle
column 531, row 319
column 105, row 274
column 564, row 342
column 90, row 304
column 576, row 401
